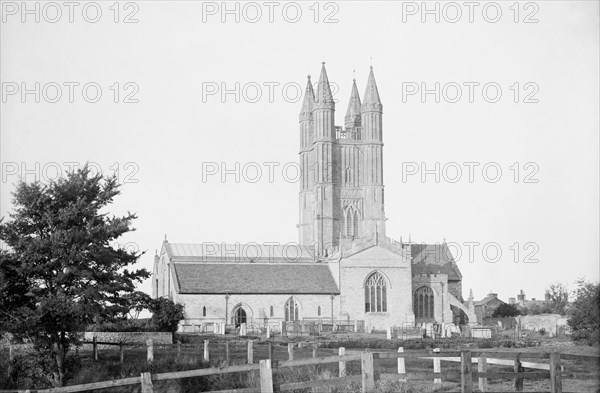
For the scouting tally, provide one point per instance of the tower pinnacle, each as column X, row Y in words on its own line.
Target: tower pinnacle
column 324, row 97
column 309, row 99
column 372, row 100
column 352, row 118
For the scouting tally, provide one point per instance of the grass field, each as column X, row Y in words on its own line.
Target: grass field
column 166, row 359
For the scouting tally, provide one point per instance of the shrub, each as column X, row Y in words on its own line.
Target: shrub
column 584, row 313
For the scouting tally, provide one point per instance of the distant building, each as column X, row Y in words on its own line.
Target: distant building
column 485, row 307
column 522, row 302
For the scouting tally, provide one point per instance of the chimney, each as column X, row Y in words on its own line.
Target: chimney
column 512, row 300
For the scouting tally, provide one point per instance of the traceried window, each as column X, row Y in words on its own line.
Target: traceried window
column 291, row 310
column 375, row 293
column 423, row 302
column 350, row 229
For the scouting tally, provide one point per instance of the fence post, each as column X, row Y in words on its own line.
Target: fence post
column 437, row 368
column 355, row 325
column 555, row 375
column 11, row 352
column 270, row 351
column 290, row 351
column 518, row 383
column 366, row 364
column 342, row 352
column 283, row 328
column 268, row 331
column 227, row 353
column 250, row 352
column 150, row 350
column 482, row 368
column 95, row 347
column 266, row 376
column 466, row 373
column 178, row 348
column 206, row 353
column 401, row 364
column 389, row 333
column 121, row 352
column 146, row 381
column 314, row 354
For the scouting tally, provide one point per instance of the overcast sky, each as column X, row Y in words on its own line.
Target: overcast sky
column 171, row 127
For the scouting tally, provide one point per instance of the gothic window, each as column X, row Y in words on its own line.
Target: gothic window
column 203, row 311
column 348, row 176
column 239, row 316
column 291, row 310
column 423, row 303
column 271, row 313
column 375, row 293
column 319, row 311
column 350, row 229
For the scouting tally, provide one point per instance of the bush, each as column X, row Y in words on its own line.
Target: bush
column 126, row 325
column 584, row 313
column 506, row 310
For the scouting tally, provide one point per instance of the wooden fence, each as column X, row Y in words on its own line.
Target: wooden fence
column 368, row 374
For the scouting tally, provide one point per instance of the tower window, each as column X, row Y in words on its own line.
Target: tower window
column 271, row 313
column 319, row 311
column 375, row 293
column 350, row 229
column 423, row 302
column 203, row 311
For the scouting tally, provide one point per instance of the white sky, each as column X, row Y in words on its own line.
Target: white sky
column 171, row 132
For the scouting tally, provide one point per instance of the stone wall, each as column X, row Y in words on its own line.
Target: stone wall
column 548, row 322
column 130, row 337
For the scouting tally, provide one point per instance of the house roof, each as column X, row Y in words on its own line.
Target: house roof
column 237, row 252
column 254, row 278
column 487, row 300
column 434, row 259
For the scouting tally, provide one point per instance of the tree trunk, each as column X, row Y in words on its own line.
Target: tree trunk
column 59, row 355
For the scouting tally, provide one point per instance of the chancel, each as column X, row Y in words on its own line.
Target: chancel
column 343, row 267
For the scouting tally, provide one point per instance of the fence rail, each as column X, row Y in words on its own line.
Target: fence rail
column 551, row 371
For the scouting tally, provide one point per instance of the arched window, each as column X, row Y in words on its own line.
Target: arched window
column 271, row 313
column 239, row 316
column 203, row 311
column 319, row 311
column 423, row 303
column 291, row 310
column 350, row 229
column 375, row 293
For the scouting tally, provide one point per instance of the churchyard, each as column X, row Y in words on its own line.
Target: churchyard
column 296, row 360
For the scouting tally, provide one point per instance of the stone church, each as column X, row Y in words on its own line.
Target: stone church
column 344, row 269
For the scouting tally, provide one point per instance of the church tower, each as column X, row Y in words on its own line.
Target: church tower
column 341, row 191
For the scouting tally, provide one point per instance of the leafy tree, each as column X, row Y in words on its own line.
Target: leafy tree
column 557, row 298
column 166, row 314
column 506, row 310
column 584, row 313
column 59, row 272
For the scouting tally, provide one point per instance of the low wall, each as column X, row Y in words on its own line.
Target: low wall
column 549, row 322
column 129, row 337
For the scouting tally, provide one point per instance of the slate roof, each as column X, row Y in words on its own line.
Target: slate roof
column 434, row 259
column 487, row 300
column 254, row 278
column 236, row 252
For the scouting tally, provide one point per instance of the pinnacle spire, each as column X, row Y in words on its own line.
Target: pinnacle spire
column 324, row 97
column 309, row 99
column 352, row 118
column 371, row 98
